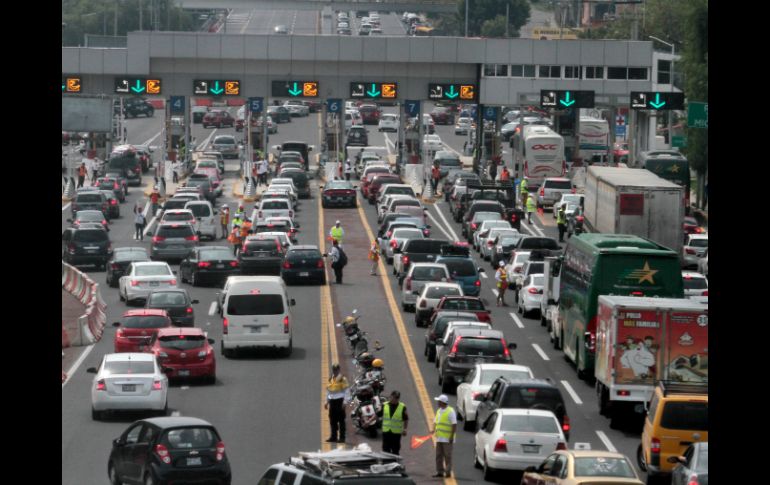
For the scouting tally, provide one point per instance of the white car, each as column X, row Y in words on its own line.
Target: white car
column 397, row 200
column 293, row 225
column 463, row 125
column 487, row 243
column 272, row 208
column 514, row 439
column 178, row 215
column 695, row 284
column 280, row 194
column 142, row 277
column 694, row 249
column 296, row 108
column 282, row 237
column 128, row 381
column 531, row 294
column 352, row 118
column 567, row 197
column 432, row 143
column 431, row 294
column 516, row 264
column 703, row 264
column 419, row 275
column 388, row 122
column 397, row 240
column 285, row 183
column 478, row 382
column 484, row 229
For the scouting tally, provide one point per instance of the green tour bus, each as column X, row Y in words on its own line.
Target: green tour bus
column 607, row 264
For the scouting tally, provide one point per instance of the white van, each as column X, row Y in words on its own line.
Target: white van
column 256, row 313
column 205, row 218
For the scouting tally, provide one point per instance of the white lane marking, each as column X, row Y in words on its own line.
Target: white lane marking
column 516, row 320
column 440, row 227
column 66, row 206
column 484, row 275
column 151, row 139
column 184, row 388
column 495, row 292
column 447, row 223
column 540, row 352
column 247, row 22
column 572, row 392
column 77, row 363
column 206, row 142
column 606, row 441
column 389, row 144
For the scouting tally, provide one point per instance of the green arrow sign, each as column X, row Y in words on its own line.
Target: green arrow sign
column 295, row 91
column 452, row 94
column 62, row 86
column 216, row 89
column 138, row 88
column 657, row 104
column 567, row 102
column 373, row 92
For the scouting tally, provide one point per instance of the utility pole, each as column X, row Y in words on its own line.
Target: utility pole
column 140, row 16
column 507, row 18
column 115, row 23
column 466, row 21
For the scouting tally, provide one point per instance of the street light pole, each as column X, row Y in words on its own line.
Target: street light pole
column 115, row 24
column 671, row 85
column 466, row 17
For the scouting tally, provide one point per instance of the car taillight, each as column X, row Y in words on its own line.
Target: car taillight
column 426, row 232
column 533, row 291
column 134, row 283
column 156, row 386
column 115, row 186
column 71, row 248
column 693, row 480
column 474, row 225
column 393, row 243
column 405, row 261
column 286, row 324
column 561, row 446
column 120, row 333
column 454, row 347
column 689, row 251
column 113, row 202
column 409, row 284
column 542, row 191
column 579, row 218
column 233, row 264
column 156, row 239
column 286, row 265
column 204, row 264
column 506, row 352
column 225, row 324
column 423, row 303
column 477, row 283
column 220, row 451
column 655, row 445
column 162, row 453
column 637, row 293
column 565, row 426
column 490, row 243
column 100, row 386
column 623, row 392
column 320, row 264
column 191, row 238
column 705, row 293
column 500, row 446
column 189, row 309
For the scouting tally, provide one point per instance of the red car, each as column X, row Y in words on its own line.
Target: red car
column 186, row 352
column 218, row 118
column 378, row 181
column 691, row 226
column 137, row 328
column 442, row 116
column 370, row 114
column 470, row 304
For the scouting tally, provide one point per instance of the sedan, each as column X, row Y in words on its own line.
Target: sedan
column 90, row 217
column 121, row 258
column 227, row 145
column 185, row 352
column 279, row 114
column 261, row 255
column 692, row 467
column 432, row 143
column 137, row 327
column 487, row 242
column 113, row 204
column 530, row 294
column 514, row 439
column 143, row 277
column 397, row 239
column 478, row 382
column 463, row 125
column 296, row 108
column 128, row 382
column 178, row 216
column 695, row 284
column 208, row 264
column 218, row 119
column 432, row 294
column 388, row 122
column 113, row 185
column 302, row 264
column 176, row 302
column 577, row 467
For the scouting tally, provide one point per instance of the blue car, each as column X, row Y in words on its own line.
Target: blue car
column 461, row 268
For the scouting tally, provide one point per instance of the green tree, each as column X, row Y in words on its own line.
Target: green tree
column 483, row 11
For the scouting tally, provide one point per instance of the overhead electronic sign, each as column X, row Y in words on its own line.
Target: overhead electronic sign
column 216, row 87
column 452, row 92
column 373, row 90
column 656, row 101
column 134, row 85
column 566, row 99
column 71, row 84
column 294, row 89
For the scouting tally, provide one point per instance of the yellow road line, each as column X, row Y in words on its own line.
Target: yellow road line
column 422, row 391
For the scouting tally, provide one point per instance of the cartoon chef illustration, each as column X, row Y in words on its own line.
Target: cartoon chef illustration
column 639, row 359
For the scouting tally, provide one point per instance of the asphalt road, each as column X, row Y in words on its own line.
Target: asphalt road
column 258, row 21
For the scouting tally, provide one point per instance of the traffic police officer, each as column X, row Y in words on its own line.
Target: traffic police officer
column 394, row 422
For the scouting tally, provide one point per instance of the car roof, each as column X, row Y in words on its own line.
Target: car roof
column 176, row 421
column 593, row 453
column 698, row 236
column 532, row 382
column 144, row 312
column 524, row 412
column 180, row 331
column 692, row 275
column 478, row 332
column 490, row 366
column 151, row 263
column 442, row 284
column 132, row 356
column 305, row 247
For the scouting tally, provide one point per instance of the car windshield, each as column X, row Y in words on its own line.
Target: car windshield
column 90, row 236
column 464, row 304
column 275, row 204
column 224, row 141
column 601, row 466
column 182, row 342
column 699, row 243
column 695, row 283
column 145, row 321
column 436, row 292
column 89, row 216
column 558, row 184
column 152, row 270
column 539, row 243
column 407, row 234
column 489, row 376
column 255, row 304
column 167, row 298
column 432, row 246
column 265, row 245
column 428, row 274
column 128, row 367
column 338, row 185
column 175, row 203
column 178, row 216
column 536, row 267
column 529, row 424
column 200, row 210
column 450, row 162
column 491, row 347
column 304, row 254
column 460, row 267
column 186, row 438
column 486, row 216
column 89, row 198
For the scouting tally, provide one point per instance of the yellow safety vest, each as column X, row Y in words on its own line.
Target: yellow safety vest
column 337, row 233
column 395, row 423
column 443, row 426
column 560, row 217
column 336, row 387
column 523, row 186
column 531, row 205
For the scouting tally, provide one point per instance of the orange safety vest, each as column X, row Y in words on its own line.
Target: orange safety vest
column 235, row 236
column 436, row 173
column 245, row 229
column 82, row 171
column 506, row 175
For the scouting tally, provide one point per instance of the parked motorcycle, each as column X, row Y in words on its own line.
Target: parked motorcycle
column 366, row 404
column 353, row 333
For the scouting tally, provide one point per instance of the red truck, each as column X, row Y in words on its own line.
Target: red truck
column 641, row 341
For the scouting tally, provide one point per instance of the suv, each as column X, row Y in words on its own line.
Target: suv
column 466, row 347
column 370, row 114
column 357, row 136
column 90, row 200
column 226, row 145
column 447, row 161
column 335, row 467
column 508, row 393
column 677, row 418
column 218, row 118
column 461, row 268
column 133, row 107
column 172, row 241
column 552, row 189
column 86, row 245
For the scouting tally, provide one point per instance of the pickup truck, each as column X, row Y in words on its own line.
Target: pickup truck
column 416, row 251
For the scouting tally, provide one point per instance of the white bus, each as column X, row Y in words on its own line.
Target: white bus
column 593, row 139
column 539, row 153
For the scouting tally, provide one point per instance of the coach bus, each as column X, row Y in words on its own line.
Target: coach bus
column 539, row 152
column 670, row 165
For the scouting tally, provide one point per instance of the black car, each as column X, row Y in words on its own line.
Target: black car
column 121, row 177
column 176, row 302
column 207, row 264
column 90, row 199
column 508, row 393
column 301, row 181
column 113, row 204
column 357, row 136
column 261, row 256
column 127, row 162
column 465, row 348
column 133, row 107
column 86, row 245
column 418, row 251
column 302, row 264
column 339, row 193
column 438, row 324
column 169, row 450
column 121, row 258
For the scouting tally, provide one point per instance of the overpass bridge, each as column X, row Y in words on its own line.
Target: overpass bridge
column 435, row 6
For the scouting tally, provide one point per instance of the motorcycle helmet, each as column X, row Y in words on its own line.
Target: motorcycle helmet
column 377, row 363
column 366, row 359
column 349, row 320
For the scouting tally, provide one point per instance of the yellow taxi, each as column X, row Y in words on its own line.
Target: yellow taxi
column 678, row 417
column 582, row 467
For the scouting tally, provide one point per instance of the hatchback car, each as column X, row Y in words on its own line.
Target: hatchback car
column 185, row 352
column 111, row 184
column 531, row 294
column 121, row 258
column 137, row 327
column 207, row 264
column 218, row 119
column 438, row 323
column 478, row 382
column 419, row 275
column 338, row 192
column 169, row 450
column 303, row 264
column 226, row 145
column 172, row 241
column 86, row 245
column 143, row 277
column 432, row 293
column 128, row 382
column 388, row 122
column 695, row 284
column 261, row 256
column 176, row 302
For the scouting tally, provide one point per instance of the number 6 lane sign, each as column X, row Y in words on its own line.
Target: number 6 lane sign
column 333, row 105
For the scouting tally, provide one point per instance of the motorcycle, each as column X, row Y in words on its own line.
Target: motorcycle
column 366, row 405
column 374, row 378
column 575, row 226
column 355, row 337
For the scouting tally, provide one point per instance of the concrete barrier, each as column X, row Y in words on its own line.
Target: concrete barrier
column 414, row 175
column 91, row 323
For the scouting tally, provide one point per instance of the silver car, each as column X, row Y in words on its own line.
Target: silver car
column 484, row 229
column 417, row 277
column 142, row 277
column 531, row 293
column 567, row 198
column 128, row 381
column 398, row 238
column 226, row 145
column 695, row 284
column 551, row 189
column 694, row 249
column 487, row 243
column 172, row 241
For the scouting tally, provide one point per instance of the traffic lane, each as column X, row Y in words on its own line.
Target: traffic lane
column 264, row 21
column 305, row 22
column 391, row 24
column 146, row 131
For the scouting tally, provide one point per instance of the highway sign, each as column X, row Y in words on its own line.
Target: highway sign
column 697, row 115
column 568, row 99
column 373, row 90
column 678, row 141
column 490, row 113
column 452, row 92
column 177, row 105
column 333, row 105
column 71, row 84
column 216, row 87
column 412, row 107
column 295, row 89
column 656, row 101
column 255, row 105
column 138, row 86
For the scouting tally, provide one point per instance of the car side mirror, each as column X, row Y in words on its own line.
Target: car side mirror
column 292, row 302
column 91, row 370
column 115, row 324
column 194, row 302
column 198, row 232
column 117, row 442
column 211, row 341
column 174, row 272
column 512, row 345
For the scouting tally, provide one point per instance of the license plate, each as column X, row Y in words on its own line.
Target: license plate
column 91, row 248
column 184, row 373
column 304, row 273
column 255, row 329
column 220, row 266
column 193, row 461
column 154, row 283
column 129, row 387
column 531, row 448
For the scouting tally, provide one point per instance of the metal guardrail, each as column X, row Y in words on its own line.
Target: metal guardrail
column 106, row 41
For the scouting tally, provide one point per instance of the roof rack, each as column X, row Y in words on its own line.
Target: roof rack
column 672, row 387
column 358, row 462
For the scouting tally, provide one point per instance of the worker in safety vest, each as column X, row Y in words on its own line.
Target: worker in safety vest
column 523, row 190
column 444, row 428
column 235, row 238
column 561, row 221
column 224, row 220
column 335, row 400
column 501, row 276
column 394, row 422
column 531, row 207
column 245, row 228
column 505, row 175
column 337, row 233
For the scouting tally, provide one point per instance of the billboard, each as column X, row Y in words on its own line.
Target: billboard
column 80, row 113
